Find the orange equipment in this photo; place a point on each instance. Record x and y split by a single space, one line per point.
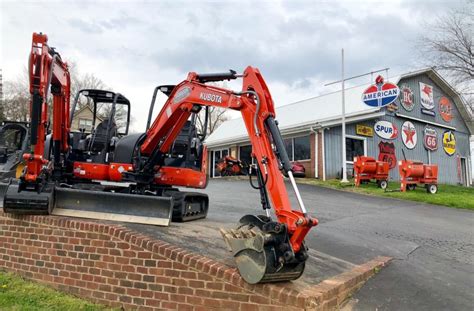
414 172
139 170
229 166
367 168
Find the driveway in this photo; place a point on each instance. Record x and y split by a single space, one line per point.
432 245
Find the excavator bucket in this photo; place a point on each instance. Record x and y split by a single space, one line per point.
261 250
122 207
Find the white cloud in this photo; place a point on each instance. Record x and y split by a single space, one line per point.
134 46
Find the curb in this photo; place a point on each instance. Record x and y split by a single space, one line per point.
38 248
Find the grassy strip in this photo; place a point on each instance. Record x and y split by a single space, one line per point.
18 294
448 195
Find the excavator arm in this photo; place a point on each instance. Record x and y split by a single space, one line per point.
46 71
282 252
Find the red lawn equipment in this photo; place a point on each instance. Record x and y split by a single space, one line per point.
416 172
367 169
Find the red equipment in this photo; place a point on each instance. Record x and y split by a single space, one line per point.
229 166
413 173
367 169
169 153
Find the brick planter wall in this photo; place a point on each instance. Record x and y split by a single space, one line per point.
112 265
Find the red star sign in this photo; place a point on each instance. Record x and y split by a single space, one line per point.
410 133
427 90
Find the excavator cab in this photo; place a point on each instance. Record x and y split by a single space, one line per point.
14 141
98 119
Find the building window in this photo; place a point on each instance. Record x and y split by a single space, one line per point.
301 148
85 124
298 148
245 154
354 147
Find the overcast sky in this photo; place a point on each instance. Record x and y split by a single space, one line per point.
134 46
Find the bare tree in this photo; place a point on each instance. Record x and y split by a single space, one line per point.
448 46
216 115
17 98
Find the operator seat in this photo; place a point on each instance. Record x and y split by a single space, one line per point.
99 139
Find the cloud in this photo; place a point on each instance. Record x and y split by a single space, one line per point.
134 46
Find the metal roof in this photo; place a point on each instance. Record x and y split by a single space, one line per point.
326 110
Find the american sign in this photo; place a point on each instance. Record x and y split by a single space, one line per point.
364 130
381 94
386 130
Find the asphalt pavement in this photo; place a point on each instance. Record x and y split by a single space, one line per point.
432 246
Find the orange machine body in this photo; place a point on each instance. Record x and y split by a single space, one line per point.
415 172
367 168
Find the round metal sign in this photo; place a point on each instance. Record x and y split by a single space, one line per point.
386 130
449 142
406 97
409 136
381 94
445 109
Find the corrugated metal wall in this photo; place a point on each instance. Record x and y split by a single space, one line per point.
448 165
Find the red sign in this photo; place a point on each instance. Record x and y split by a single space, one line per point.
387 153
430 138
381 94
445 109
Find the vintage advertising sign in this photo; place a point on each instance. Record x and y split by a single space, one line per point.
392 107
386 130
409 136
449 142
381 94
430 138
426 99
387 153
364 130
445 109
406 97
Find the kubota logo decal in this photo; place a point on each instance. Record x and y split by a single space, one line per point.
211 97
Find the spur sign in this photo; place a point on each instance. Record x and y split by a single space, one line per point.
380 94
386 130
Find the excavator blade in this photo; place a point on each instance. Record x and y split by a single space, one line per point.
262 253
143 209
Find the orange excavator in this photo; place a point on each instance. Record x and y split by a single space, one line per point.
70 172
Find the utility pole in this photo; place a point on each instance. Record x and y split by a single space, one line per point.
343 146
343 121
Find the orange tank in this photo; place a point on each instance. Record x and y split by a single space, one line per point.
367 168
415 172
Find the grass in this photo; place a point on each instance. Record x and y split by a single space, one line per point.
17 294
448 195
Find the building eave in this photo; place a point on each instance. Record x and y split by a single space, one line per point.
302 128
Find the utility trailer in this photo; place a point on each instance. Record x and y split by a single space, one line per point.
413 173
367 169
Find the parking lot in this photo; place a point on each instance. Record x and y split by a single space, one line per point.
432 246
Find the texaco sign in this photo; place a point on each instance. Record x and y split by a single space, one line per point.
409 136
430 139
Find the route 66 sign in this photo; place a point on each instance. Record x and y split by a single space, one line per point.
387 153
430 139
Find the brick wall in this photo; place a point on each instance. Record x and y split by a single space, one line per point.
112 265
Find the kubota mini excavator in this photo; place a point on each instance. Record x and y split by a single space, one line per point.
168 154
